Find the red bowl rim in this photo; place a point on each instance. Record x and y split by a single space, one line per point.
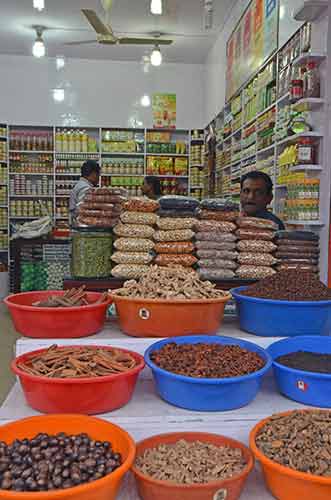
201 436
170 302
76 381
24 307
81 488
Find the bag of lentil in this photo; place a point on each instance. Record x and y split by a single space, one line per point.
134 245
218 263
215 226
175 248
217 254
129 271
190 214
257 259
300 267
148 219
256 246
215 274
253 234
134 231
256 223
137 204
169 223
216 237
178 203
132 257
217 215
215 245
185 260
176 235
297 235
219 204
254 272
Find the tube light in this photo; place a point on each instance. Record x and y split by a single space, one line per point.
39 49
39 4
156 7
156 57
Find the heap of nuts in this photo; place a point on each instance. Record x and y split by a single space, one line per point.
207 360
53 462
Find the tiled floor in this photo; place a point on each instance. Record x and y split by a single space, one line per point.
8 337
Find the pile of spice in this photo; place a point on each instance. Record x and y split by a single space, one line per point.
175 282
216 241
306 361
75 297
291 285
134 245
78 362
300 441
255 248
193 462
174 236
54 462
207 360
297 250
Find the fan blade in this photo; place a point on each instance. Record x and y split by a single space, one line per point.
143 41
83 42
96 22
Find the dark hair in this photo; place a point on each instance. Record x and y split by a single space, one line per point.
89 167
256 174
155 183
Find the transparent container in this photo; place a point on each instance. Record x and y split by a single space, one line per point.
91 253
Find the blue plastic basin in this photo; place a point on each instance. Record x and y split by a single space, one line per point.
282 318
308 388
205 394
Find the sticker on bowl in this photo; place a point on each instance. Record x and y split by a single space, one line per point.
144 313
302 386
220 495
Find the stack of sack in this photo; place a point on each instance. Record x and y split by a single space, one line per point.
216 239
101 207
297 250
256 248
174 236
134 244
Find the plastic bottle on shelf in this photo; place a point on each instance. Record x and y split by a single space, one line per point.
313 84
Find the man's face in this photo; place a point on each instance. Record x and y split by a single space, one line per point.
94 178
254 196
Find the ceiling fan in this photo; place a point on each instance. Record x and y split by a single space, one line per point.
105 34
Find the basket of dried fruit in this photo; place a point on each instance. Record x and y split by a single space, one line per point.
78 379
169 301
294 451
58 314
191 466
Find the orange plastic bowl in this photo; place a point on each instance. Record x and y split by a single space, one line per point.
82 395
59 322
285 483
169 318
229 489
102 489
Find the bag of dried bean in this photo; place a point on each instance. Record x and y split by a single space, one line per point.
215 226
218 263
208 273
297 235
141 204
217 215
215 245
168 223
219 204
134 245
257 259
149 219
217 254
256 223
190 214
254 234
178 247
178 203
300 267
254 272
256 246
134 231
298 243
216 237
185 260
129 271
132 257
176 235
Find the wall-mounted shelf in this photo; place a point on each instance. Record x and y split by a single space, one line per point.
310 10
309 57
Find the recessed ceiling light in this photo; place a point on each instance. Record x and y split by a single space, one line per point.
58 95
60 62
156 7
38 48
145 101
39 4
156 56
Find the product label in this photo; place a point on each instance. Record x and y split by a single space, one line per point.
304 154
302 386
220 494
144 313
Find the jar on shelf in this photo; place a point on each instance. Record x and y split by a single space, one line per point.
313 84
296 89
306 151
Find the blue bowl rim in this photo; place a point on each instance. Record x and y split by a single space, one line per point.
289 303
296 371
208 339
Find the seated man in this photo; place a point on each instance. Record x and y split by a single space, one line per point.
256 195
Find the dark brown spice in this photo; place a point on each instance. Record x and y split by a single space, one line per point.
306 361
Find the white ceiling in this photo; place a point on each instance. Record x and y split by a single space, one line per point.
182 17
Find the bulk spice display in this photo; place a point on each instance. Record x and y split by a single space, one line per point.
307 361
207 360
70 298
191 462
55 462
79 362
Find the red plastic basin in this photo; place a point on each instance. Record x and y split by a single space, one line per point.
84 395
60 322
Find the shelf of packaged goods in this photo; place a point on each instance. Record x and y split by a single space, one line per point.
291 138
170 155
283 98
310 103
4 162
249 123
60 217
66 174
31 195
197 165
122 175
172 176
197 141
76 153
310 10
104 153
22 151
269 108
265 150
309 57
3 183
3 205
304 222
248 156
21 217
62 195
31 173
313 168
281 186
197 187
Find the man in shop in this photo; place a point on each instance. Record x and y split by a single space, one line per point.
90 175
152 187
256 195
